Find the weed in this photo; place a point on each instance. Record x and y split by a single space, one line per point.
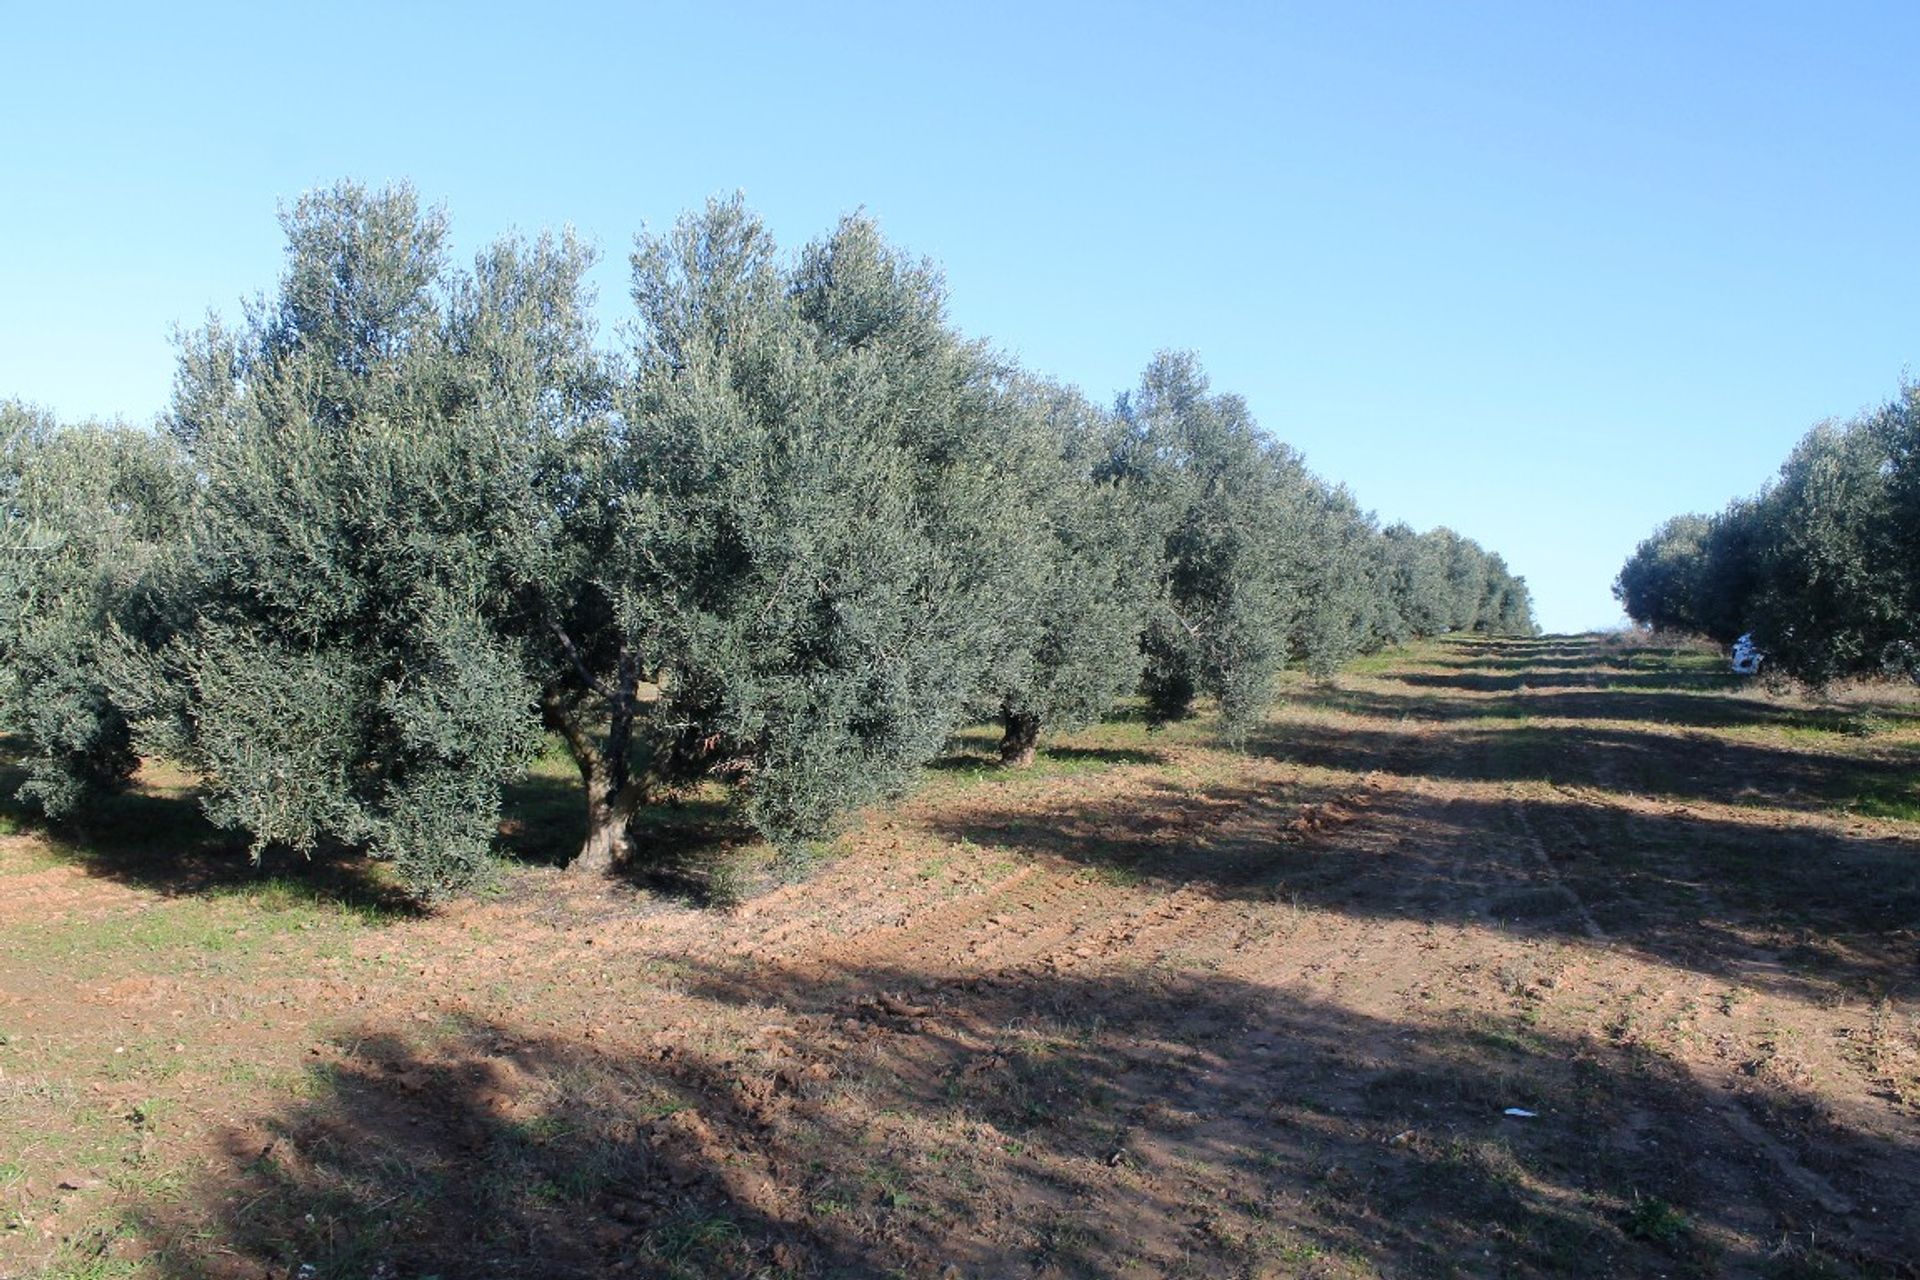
90 1256
793 863
1651 1218
729 882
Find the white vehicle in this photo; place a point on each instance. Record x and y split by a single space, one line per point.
1746 656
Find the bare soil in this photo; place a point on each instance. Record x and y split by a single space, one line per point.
1559 957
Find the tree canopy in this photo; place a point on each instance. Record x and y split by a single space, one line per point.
1820 566
407 518
89 519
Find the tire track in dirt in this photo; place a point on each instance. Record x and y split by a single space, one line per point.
1717 1087
1545 862
1716 1083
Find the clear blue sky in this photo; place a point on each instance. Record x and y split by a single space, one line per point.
1546 273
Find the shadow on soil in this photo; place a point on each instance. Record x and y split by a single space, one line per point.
1705 706
1788 908
873 1123
1679 766
160 840
1752 889
1530 676
971 761
680 839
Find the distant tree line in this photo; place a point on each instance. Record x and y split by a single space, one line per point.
405 521
1822 567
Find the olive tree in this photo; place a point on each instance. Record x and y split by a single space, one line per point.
377 451
90 518
1660 585
1820 566
1234 530
1074 646
812 566
786 541
1828 597
1344 591
786 544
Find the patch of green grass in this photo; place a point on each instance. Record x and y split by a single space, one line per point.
1890 799
543 817
695 1236
221 931
730 881
1651 1218
90 1256
973 753
1374 663
1119 875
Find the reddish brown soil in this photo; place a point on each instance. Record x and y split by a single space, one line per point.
1197 1014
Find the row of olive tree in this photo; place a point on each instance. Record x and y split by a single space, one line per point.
1822 566
406 520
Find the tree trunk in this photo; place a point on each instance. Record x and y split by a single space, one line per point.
609 843
1021 740
612 797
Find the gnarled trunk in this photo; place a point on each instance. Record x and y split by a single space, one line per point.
609 843
612 796
1021 740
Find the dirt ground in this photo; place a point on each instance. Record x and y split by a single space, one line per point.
1557 957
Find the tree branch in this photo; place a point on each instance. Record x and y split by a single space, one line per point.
579 663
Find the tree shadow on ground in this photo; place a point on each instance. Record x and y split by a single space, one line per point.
975 750
1586 661
1680 766
1653 670
974 761
876 1122
157 838
1705 710
1477 650
1531 678
1798 909
678 840
1778 906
